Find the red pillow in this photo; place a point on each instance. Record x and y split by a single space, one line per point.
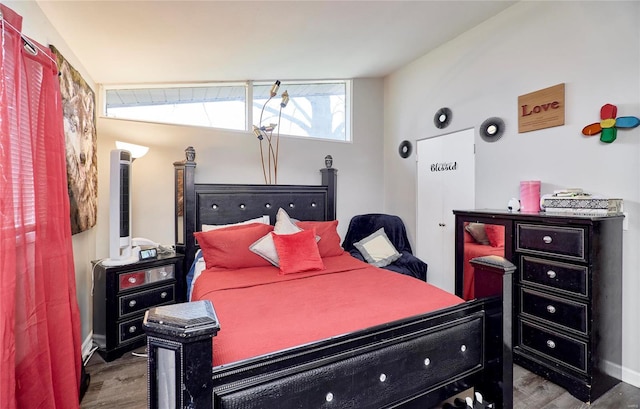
329 244
298 252
495 234
228 247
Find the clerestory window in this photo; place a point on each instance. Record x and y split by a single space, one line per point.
314 109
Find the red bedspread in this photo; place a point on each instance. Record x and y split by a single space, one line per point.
261 311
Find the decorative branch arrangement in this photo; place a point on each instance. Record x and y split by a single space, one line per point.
265 132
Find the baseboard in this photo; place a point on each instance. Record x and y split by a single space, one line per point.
85 378
631 377
87 345
626 375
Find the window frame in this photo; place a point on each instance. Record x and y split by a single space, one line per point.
249 119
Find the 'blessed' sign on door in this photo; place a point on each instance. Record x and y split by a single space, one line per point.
541 109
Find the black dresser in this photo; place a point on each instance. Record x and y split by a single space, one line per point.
567 314
121 296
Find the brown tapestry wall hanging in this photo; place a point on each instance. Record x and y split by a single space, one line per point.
78 103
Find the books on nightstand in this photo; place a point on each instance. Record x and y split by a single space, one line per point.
577 202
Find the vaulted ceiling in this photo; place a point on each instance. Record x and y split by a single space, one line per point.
120 42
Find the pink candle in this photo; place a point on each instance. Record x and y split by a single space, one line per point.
530 196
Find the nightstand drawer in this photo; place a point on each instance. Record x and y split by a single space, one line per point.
160 273
143 300
555 310
141 277
554 275
131 280
130 330
557 348
556 241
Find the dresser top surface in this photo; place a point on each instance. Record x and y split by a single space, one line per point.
506 214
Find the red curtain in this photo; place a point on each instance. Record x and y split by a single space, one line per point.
39 318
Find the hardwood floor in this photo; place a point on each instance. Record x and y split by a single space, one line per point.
531 391
123 384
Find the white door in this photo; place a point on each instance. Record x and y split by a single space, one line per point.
445 181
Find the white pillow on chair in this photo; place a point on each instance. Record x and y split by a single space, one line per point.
377 249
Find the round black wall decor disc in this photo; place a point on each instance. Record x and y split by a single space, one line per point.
405 149
492 129
442 118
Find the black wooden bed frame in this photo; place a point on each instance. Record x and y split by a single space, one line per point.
415 362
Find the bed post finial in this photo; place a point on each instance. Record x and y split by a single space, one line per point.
190 154
328 161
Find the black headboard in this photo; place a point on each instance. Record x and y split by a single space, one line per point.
204 203
223 204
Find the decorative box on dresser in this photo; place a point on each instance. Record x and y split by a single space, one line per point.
567 314
121 296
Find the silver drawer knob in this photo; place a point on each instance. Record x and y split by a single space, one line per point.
132 303
132 329
163 273
329 397
547 239
551 274
163 294
551 344
463 348
551 309
132 280
383 377
427 362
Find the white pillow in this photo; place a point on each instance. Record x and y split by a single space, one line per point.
265 247
262 219
199 267
377 249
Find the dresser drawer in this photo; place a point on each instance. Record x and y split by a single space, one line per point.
561 312
565 277
556 241
138 278
144 300
130 329
557 348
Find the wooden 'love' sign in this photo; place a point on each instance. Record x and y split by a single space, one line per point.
541 109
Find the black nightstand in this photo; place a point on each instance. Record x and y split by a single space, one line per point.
121 296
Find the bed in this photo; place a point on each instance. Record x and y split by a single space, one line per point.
412 346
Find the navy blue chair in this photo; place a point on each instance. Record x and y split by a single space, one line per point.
363 225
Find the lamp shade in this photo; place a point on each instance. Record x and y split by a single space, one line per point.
137 151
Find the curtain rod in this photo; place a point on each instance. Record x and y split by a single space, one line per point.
29 45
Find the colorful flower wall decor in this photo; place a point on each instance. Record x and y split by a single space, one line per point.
609 124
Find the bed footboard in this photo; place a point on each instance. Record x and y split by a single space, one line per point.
416 362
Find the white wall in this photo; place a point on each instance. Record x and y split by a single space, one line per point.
36 26
592 47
